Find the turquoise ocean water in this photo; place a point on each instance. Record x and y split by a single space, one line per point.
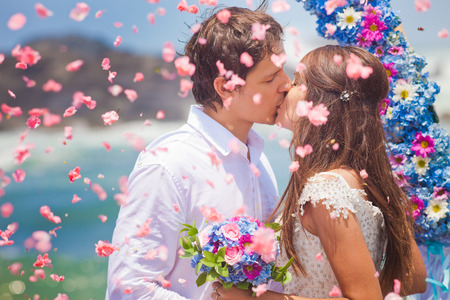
47 183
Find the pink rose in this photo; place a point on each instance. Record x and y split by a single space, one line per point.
231 231
203 236
233 255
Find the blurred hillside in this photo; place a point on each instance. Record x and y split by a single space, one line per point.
155 93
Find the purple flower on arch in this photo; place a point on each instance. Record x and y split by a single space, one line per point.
379 51
423 145
440 193
417 206
390 70
397 160
373 28
400 178
383 105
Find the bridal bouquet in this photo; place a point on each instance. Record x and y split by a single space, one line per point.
239 251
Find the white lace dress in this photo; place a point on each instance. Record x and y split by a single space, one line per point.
334 192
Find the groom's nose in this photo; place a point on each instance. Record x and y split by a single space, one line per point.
286 84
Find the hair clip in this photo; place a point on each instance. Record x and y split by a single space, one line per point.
345 95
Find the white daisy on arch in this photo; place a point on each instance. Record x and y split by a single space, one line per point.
436 210
404 91
421 164
348 18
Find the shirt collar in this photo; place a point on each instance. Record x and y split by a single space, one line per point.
220 137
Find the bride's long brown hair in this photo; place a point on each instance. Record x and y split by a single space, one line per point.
356 126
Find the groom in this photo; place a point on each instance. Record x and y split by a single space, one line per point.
211 167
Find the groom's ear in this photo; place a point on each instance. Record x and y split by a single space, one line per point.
223 93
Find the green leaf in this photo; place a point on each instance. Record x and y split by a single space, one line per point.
201 279
275 226
183 230
193 231
243 285
185 243
287 278
227 285
187 225
220 259
197 267
212 275
209 255
220 253
187 255
208 263
287 265
193 224
223 271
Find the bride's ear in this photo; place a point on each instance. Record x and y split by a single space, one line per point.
219 83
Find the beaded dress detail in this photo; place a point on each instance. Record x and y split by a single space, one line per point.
334 192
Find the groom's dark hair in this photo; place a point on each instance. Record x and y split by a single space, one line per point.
226 42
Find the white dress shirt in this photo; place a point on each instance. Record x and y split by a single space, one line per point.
172 180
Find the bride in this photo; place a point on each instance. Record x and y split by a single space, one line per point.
345 221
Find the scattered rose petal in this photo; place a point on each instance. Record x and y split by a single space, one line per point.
284 143
103 218
259 290
118 24
138 77
246 59
74 174
75 198
2 58
257 98
19 175
193 9
68 132
51 119
115 90
223 16
33 122
52 86
319 257
443 33
422 5
107 146
318 115
160 115
104 248
80 12
106 64
280 6
99 13
278 60
74 66
259 31
303 151
6 210
144 230
335 292
17 21
12 94
151 18
99 191
331 29
211 214
294 166
70 111
118 41
185 87
111 76
11 111
110 117
42 11
161 11
337 59
184 67
57 278
46 213
363 174
131 95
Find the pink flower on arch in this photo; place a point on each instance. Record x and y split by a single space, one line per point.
423 145
440 193
373 28
383 106
397 160
390 70
417 206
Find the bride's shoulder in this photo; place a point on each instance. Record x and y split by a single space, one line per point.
351 177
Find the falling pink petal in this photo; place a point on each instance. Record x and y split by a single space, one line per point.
52 86
118 41
303 108
17 21
303 151
193 9
151 18
26 56
355 68
185 87
104 248
6 210
51 119
335 292
168 52
46 213
182 5
99 13
331 29
11 111
422 5
111 76
196 27
103 218
38 112
42 11
69 111
246 59
292 30
110 117
160 115
2 58
227 103
208 2
443 33
257 98
259 290
135 29
118 24
318 115
300 67
57 277
319 257
202 41
12 94
33 122
131 95
259 31
99 191
331 5
363 174
68 132
233 82
80 12
211 214
144 230
161 11
74 174
223 16
48 149
335 146
21 65
74 66
294 166
138 77
75 198
255 170
280 6
397 286
337 59
284 143
106 64
278 60
28 82
21 153
107 146
115 90
61 297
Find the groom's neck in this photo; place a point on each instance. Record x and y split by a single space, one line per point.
228 119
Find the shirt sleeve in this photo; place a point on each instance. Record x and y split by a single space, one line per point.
142 261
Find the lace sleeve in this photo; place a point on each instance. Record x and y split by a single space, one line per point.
333 192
